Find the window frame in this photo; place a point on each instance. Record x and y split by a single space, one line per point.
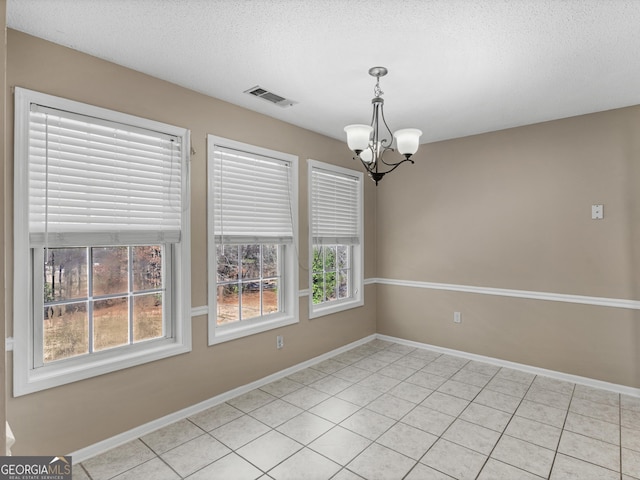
289 275
28 377
357 250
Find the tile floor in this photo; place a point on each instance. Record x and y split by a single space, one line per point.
387 411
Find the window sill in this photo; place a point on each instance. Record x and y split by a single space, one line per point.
55 375
316 311
233 332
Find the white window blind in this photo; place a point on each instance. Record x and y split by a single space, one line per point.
113 183
251 198
334 208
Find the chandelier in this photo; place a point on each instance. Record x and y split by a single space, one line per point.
370 143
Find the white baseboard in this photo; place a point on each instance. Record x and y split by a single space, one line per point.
137 432
589 382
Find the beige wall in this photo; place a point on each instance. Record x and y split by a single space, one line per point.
512 210
70 417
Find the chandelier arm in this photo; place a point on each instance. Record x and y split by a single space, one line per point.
376 171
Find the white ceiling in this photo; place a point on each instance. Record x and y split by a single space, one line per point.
456 67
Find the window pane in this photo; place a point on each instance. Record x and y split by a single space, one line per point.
66 331
330 286
269 261
110 270
318 288
343 256
251 307
65 274
317 259
228 304
250 261
270 296
227 262
147 267
343 285
330 258
110 323
147 317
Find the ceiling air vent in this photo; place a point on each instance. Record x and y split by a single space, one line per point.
260 92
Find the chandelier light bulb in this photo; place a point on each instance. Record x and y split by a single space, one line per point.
358 137
407 140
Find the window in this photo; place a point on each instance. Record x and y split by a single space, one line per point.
101 228
252 216
335 230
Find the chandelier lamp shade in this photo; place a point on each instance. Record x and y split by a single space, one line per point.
371 143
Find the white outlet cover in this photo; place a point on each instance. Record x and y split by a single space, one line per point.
597 212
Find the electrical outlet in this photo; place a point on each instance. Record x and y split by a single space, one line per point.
279 342
457 318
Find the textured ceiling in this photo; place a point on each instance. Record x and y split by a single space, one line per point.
456 67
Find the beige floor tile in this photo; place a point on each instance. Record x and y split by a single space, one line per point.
329 366
495 470
534 432
481 367
630 419
276 413
444 403
305 464
597 395
630 403
230 467
334 409
154 468
397 371
305 428
630 439
507 386
340 445
281 387
517 376
215 417
407 440
118 460
473 378
345 474
440 369
331 385
524 455
548 397
410 392
352 374
454 460
390 406
498 400
470 435
590 450
631 463
359 395
600 411
306 397
379 382
381 463
459 389
270 449
368 423
542 413
569 468
486 416
422 472
171 436
240 431
307 376
194 455
426 379
548 383
251 400
594 428
431 421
